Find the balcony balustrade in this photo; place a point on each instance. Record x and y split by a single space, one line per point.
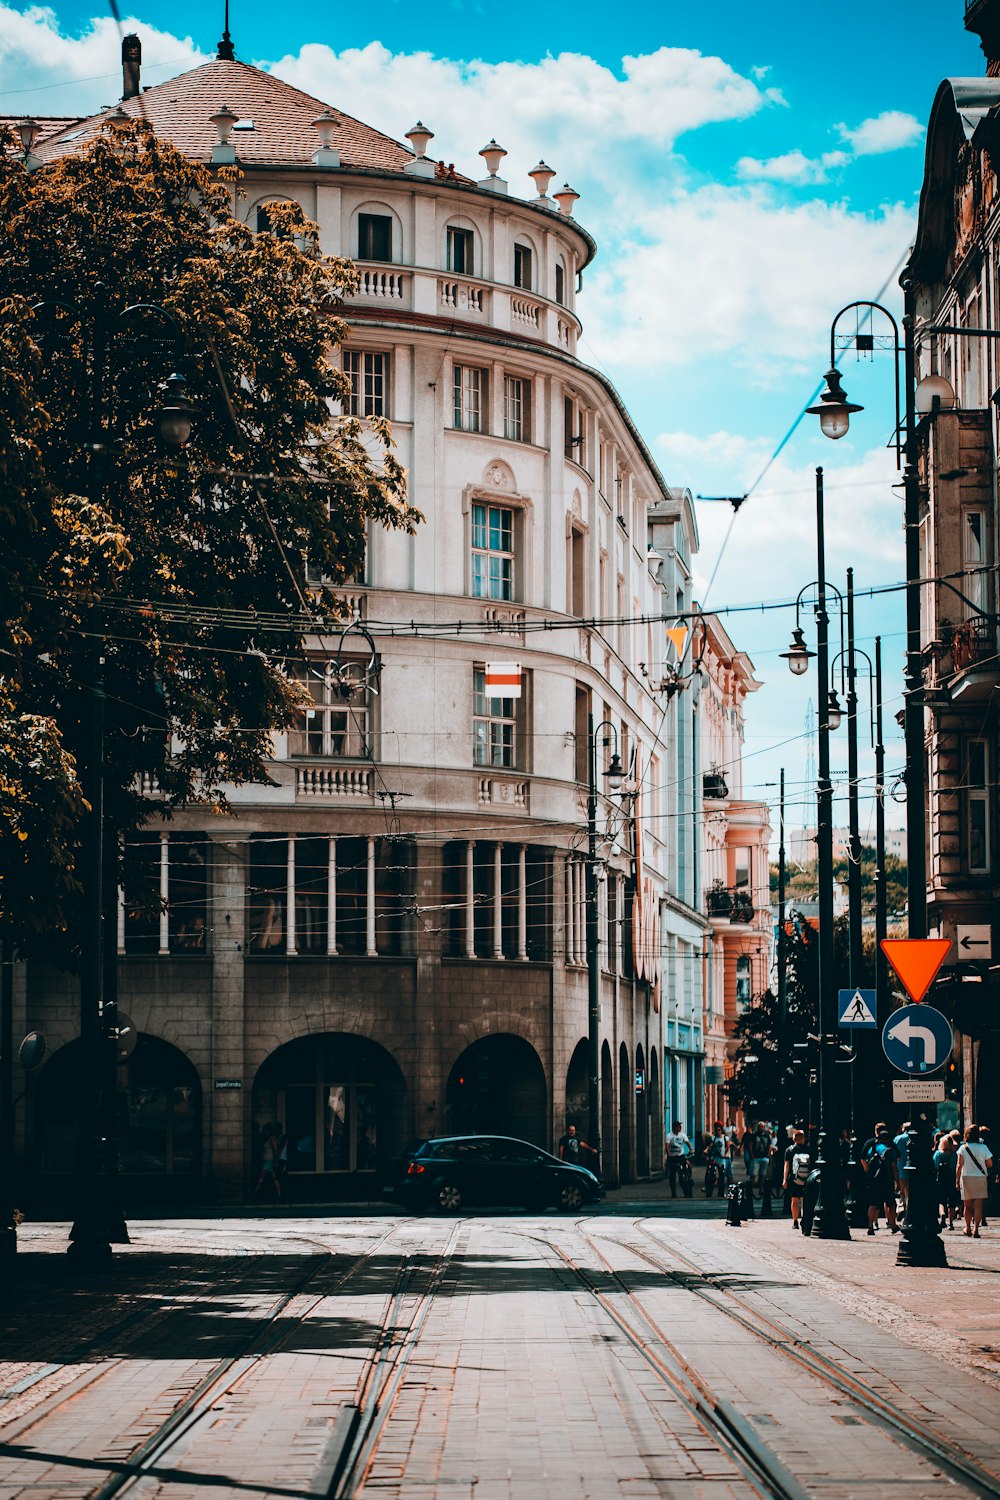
461 298
326 782
379 283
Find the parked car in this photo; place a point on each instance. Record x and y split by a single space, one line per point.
452 1173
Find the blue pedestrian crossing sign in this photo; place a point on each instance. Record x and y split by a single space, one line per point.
857 1008
917 1039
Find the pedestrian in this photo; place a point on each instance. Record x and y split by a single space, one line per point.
880 1164
902 1145
946 1171
746 1151
678 1149
760 1156
798 1165
973 1179
720 1163
570 1146
267 1177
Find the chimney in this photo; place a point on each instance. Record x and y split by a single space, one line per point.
982 18
131 60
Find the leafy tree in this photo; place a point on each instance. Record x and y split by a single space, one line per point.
801 884
774 1056
191 571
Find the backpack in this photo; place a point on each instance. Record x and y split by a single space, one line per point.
801 1167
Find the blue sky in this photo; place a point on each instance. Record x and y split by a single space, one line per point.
746 172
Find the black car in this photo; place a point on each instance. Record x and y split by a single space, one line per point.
456 1172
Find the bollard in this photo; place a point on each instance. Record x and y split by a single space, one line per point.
733 1211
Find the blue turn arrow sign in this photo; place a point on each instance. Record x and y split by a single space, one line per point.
917 1039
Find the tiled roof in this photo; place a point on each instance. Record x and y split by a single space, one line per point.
49 125
282 116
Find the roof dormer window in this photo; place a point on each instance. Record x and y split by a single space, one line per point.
244 125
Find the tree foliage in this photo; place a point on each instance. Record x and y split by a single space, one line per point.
774 1056
801 884
191 571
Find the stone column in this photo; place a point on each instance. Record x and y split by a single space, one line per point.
331 896
370 948
522 902
222 1054
570 949
470 911
164 944
498 901
290 923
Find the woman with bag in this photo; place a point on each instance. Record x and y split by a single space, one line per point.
973 1178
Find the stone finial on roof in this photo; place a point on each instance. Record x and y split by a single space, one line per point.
566 197
493 155
327 155
541 176
420 137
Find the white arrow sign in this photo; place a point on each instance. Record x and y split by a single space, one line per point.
905 1032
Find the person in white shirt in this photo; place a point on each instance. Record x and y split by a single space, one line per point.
973 1178
678 1149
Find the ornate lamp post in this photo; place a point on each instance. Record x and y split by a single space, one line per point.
921 1243
830 1219
615 775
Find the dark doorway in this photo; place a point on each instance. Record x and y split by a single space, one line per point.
657 1126
159 1118
578 1090
497 1087
609 1158
330 1111
625 1115
641 1115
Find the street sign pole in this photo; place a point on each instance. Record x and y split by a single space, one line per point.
916 961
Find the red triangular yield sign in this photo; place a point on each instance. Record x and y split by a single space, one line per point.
916 961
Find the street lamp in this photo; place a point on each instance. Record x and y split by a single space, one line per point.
921 1243
614 775
829 1219
834 409
98 1220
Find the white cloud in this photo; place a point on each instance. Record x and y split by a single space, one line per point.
889 131
45 71
736 270
580 115
792 167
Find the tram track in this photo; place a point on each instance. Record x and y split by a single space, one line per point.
961 1466
382 1378
272 1329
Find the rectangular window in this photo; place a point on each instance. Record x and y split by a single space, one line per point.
494 726
374 237
469 398
517 408
460 251
974 556
560 285
577 573
369 377
574 432
522 267
492 552
336 726
166 879
977 802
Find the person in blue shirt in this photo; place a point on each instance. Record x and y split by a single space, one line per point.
880 1164
902 1145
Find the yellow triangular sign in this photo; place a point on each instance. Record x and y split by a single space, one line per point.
678 634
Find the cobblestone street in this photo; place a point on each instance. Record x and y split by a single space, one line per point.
641 1351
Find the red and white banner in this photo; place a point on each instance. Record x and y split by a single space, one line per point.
503 679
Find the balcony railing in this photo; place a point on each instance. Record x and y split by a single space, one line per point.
733 903
714 786
463 299
379 283
973 642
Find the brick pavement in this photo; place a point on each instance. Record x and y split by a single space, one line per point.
515 1382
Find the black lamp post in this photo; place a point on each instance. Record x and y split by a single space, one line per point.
98 1220
829 1219
615 775
921 1243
